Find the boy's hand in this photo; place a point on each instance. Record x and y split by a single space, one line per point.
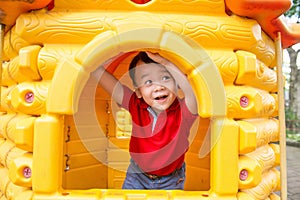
159 59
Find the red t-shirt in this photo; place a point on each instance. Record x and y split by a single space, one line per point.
162 150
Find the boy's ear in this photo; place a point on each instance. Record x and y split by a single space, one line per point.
138 93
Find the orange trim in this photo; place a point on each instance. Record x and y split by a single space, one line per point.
116 61
12 9
268 15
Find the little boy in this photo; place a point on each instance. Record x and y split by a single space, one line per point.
161 121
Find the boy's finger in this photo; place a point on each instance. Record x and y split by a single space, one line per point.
151 55
157 58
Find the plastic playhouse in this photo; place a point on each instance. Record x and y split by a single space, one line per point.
63 138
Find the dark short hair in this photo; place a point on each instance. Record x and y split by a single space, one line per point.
141 56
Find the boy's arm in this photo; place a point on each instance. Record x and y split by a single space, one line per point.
110 84
180 79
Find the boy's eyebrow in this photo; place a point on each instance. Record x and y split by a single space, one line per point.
144 75
162 71
166 71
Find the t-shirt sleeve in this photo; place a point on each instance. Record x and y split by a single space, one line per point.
128 94
187 115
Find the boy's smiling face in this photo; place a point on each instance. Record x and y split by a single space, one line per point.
155 85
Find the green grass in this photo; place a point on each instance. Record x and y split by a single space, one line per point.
292 135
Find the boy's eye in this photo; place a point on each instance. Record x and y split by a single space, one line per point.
148 82
165 78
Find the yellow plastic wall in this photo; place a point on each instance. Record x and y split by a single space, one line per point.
63 138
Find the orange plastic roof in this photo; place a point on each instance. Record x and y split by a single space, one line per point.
10 10
268 13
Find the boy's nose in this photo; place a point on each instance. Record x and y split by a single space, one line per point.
159 87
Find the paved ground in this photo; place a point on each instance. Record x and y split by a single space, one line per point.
293 172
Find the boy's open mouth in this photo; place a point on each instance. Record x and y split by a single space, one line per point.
161 97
